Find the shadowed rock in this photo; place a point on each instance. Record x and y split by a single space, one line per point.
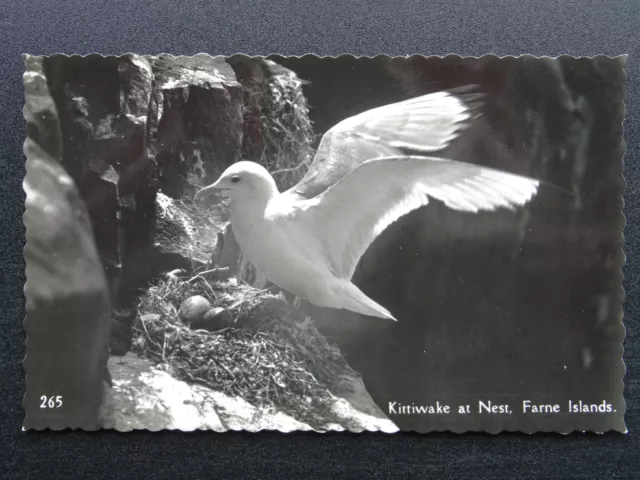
103 105
195 120
68 313
132 126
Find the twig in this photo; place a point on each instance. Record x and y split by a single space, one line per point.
164 346
228 371
213 270
215 297
147 332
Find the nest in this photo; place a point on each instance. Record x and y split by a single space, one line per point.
271 358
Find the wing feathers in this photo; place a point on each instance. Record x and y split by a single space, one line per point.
361 181
348 216
424 124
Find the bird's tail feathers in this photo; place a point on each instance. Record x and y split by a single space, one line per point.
357 301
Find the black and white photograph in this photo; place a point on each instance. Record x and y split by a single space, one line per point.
417 243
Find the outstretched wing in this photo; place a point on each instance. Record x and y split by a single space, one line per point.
348 216
422 124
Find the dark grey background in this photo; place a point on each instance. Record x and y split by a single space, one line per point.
264 27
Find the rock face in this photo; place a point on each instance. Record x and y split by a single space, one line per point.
140 135
196 120
68 321
146 397
502 302
103 103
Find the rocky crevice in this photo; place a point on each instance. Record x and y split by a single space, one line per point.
141 134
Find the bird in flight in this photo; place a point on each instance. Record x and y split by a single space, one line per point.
308 240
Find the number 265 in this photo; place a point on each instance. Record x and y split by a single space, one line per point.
50 402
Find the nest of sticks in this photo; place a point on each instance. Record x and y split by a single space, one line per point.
270 356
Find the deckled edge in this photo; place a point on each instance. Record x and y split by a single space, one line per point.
621 260
335 57
622 221
25 57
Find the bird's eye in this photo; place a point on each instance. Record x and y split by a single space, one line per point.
235 179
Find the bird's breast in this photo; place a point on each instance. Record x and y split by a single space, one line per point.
283 252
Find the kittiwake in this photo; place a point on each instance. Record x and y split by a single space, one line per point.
368 171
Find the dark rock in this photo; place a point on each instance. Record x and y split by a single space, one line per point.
122 329
103 104
195 121
68 312
132 126
193 310
215 319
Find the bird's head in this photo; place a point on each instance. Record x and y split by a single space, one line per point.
243 181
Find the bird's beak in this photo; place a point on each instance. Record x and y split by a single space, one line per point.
214 188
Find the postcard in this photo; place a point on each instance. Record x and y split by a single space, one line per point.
344 243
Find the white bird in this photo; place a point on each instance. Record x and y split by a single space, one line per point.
308 240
